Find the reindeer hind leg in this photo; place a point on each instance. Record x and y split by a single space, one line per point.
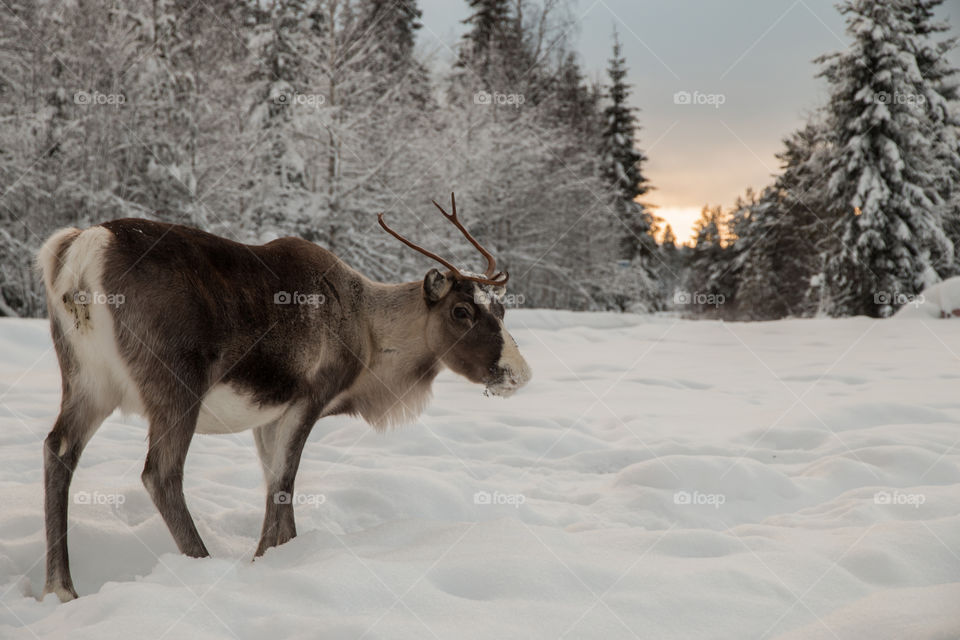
79 418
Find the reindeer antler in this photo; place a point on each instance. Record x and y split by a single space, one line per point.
491 276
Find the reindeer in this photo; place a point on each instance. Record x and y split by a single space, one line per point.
200 334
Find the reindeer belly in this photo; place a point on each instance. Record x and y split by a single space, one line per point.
224 409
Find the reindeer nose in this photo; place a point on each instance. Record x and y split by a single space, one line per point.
517 374
510 377
511 370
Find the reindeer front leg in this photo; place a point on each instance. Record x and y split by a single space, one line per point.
279 445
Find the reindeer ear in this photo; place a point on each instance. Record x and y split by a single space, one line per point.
436 285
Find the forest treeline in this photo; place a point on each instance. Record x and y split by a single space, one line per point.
258 119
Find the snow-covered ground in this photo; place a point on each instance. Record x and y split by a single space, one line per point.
657 479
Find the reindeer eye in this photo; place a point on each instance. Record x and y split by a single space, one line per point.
462 312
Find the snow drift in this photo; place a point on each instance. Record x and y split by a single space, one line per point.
658 478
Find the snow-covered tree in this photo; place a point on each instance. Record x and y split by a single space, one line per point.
511 47
574 105
669 241
392 26
307 117
282 37
622 169
488 21
623 162
709 283
776 248
941 92
883 175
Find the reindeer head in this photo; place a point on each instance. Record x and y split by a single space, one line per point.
465 318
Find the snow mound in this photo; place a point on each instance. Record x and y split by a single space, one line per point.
941 300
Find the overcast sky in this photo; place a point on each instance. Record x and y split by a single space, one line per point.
757 54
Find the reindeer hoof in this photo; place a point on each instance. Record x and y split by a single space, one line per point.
66 594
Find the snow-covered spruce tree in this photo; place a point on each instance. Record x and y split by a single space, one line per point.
761 292
709 283
883 175
776 250
941 91
634 285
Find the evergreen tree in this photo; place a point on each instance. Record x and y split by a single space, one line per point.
669 239
883 175
622 161
941 90
393 24
488 26
672 260
500 52
622 170
574 105
487 20
392 27
776 251
709 284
